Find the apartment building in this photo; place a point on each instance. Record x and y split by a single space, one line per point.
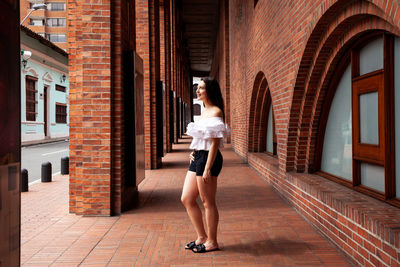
50 23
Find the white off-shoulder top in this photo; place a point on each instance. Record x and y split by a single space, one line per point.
204 129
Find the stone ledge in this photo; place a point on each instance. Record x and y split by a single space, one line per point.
264 160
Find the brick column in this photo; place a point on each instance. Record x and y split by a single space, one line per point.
154 22
167 39
89 42
148 47
98 33
174 66
227 97
143 49
124 194
162 40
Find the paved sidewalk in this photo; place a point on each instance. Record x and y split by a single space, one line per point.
256 226
43 141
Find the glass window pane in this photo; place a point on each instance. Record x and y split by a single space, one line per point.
397 111
270 147
373 176
369 118
371 57
337 150
57 6
62 38
36 22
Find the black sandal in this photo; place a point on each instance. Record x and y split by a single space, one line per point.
202 249
190 245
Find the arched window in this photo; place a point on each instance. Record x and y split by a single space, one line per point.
269 123
360 121
196 110
262 137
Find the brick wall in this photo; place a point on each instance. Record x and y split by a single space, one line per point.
297 45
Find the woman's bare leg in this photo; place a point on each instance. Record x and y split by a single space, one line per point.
190 193
207 194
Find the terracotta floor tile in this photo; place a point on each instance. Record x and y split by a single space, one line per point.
121 264
257 228
42 264
65 264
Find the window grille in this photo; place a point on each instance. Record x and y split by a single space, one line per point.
30 99
61 113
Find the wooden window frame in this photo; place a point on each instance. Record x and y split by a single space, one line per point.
28 91
385 151
61 88
365 84
58 114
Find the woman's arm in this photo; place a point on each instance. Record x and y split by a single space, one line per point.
212 153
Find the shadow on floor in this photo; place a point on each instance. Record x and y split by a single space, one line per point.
183 150
228 197
176 164
280 246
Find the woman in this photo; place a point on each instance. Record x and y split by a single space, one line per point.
205 165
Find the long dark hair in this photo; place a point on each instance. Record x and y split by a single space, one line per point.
214 93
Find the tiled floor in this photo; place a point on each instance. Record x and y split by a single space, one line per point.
256 226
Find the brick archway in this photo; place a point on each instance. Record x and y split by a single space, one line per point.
260 100
325 48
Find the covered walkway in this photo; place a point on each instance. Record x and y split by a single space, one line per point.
256 226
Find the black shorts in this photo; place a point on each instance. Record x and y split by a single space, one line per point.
200 160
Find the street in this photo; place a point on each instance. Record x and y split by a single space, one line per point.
32 158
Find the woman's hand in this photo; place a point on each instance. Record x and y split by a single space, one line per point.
191 157
206 175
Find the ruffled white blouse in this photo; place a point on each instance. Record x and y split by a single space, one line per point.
204 129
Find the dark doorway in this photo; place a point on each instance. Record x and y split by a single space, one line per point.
133 119
160 117
178 118
171 117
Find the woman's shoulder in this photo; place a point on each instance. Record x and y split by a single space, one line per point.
215 112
